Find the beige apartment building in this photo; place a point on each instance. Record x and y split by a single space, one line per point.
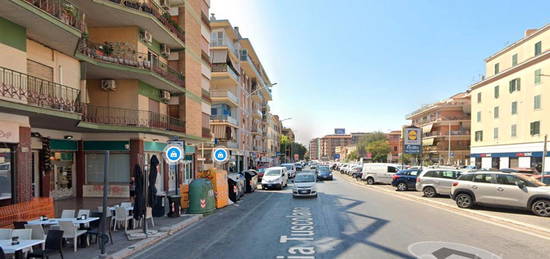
445 130
240 91
79 78
510 105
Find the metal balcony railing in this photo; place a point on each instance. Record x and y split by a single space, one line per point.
224 94
161 15
216 67
38 92
63 10
131 118
446 133
110 52
224 118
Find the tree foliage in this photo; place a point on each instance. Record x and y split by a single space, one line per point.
353 156
367 139
379 150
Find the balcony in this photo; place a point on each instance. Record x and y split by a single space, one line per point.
225 74
224 96
223 119
221 44
438 105
229 144
146 15
115 60
453 133
249 66
256 114
29 90
131 118
54 23
421 122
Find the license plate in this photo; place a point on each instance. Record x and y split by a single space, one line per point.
303 192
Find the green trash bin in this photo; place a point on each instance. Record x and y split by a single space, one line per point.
201 197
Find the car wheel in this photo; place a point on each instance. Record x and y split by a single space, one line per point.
541 208
401 187
429 192
464 201
370 181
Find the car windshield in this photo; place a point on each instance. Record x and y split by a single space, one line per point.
304 178
530 179
272 172
288 166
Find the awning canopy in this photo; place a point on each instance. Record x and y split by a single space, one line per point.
428 141
219 56
427 128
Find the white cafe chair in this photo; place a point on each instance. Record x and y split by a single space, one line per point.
122 217
37 233
23 234
5 233
67 214
84 212
71 232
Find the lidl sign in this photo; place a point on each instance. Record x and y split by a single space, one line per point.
412 140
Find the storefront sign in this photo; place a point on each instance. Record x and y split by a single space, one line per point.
116 191
9 132
524 154
412 140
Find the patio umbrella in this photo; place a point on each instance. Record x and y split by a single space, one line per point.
139 199
152 180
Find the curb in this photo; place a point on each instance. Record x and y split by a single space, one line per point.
526 227
143 244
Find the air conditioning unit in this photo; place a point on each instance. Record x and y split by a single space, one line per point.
147 37
164 50
165 96
108 85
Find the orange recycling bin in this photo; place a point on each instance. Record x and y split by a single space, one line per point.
218 177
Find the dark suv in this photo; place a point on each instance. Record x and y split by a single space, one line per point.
405 179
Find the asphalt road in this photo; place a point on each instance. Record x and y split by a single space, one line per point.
345 221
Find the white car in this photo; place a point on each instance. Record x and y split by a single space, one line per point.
305 184
275 177
379 172
291 168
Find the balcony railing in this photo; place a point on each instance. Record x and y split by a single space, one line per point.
438 105
38 92
455 118
131 118
224 94
224 118
111 52
224 43
161 15
446 133
225 68
63 10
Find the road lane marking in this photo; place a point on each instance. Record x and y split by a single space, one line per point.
302 231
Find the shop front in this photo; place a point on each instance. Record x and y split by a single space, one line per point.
119 169
62 160
13 151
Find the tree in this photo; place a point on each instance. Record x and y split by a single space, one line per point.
367 139
379 150
353 156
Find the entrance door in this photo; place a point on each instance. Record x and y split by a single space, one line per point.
514 162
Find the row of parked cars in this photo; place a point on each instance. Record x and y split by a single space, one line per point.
468 187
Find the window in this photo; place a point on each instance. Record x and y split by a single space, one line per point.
508 179
483 178
514 108
448 174
495 133
414 172
513 130
497 67
478 116
515 85
538 48
538 75
514 59
466 177
495 112
535 128
478 97
536 102
497 91
430 174
6 173
479 135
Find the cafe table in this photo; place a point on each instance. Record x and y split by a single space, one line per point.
16 249
55 221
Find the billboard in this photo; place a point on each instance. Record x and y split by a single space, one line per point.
412 140
340 131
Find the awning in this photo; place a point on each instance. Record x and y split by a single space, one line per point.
219 56
427 128
428 141
219 131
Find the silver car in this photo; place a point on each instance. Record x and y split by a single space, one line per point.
502 189
436 181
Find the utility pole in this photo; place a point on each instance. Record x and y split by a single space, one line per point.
449 151
543 158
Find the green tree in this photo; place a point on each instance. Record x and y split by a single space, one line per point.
367 139
353 156
379 150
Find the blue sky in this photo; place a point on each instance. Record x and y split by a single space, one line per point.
364 64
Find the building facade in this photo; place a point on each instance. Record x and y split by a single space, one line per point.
509 120
328 144
98 76
445 130
394 140
314 150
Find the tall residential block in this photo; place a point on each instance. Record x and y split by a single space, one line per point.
510 105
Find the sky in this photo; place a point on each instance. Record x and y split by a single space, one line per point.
363 65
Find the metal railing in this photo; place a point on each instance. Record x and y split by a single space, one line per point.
421 121
161 15
223 94
38 92
131 118
438 104
107 53
224 43
224 118
225 68
446 133
63 10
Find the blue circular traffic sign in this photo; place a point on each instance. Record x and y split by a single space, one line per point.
220 155
173 153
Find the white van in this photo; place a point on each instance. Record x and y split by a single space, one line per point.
379 172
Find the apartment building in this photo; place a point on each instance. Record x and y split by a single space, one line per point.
357 136
240 91
445 130
289 133
79 78
394 140
328 144
314 150
509 120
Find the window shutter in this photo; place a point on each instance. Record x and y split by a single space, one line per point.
511 86
518 84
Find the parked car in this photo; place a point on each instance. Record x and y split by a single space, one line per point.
357 172
502 189
261 172
379 172
436 181
324 173
291 169
405 179
545 179
236 182
527 171
305 185
251 177
275 177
